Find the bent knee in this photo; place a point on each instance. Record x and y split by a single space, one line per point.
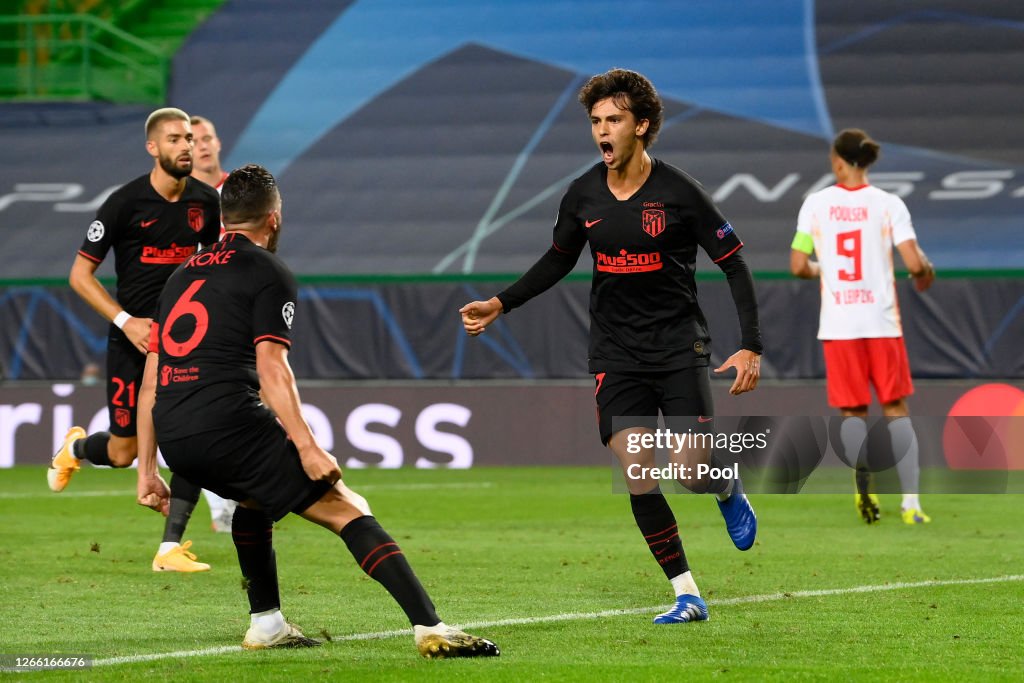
122 451
354 499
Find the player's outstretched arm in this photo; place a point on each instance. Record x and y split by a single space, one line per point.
477 315
921 269
151 489
277 386
85 283
555 264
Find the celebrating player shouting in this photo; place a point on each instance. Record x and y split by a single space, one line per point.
649 343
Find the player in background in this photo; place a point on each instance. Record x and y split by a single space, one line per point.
220 396
207 168
649 345
852 227
153 224
207 157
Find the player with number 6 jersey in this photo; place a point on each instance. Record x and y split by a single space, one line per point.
220 396
230 291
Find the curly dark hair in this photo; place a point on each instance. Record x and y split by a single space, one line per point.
631 91
249 193
855 147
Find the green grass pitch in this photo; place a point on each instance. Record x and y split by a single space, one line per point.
513 553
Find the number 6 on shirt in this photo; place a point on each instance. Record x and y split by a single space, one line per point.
185 305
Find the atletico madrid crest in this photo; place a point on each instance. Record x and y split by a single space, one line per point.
196 219
654 221
123 417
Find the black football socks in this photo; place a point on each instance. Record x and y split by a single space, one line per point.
380 557
658 525
253 531
184 496
93 448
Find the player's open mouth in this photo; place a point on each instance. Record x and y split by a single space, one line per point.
606 150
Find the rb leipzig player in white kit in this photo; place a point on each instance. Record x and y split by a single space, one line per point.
852 227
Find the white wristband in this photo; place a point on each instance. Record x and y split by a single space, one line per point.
121 318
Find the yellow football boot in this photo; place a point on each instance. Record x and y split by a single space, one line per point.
915 516
179 559
64 463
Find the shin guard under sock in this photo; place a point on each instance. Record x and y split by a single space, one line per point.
380 557
252 531
184 496
93 448
658 525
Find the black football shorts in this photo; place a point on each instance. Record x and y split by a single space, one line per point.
256 460
124 378
627 400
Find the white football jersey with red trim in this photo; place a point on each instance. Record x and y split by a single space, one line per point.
854 231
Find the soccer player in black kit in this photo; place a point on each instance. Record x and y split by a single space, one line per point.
153 224
218 350
649 342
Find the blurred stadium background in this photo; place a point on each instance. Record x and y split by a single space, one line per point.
422 149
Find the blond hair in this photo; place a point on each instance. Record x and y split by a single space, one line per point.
161 115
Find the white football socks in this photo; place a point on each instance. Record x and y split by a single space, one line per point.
853 432
727 493
905 450
215 502
438 629
685 585
271 621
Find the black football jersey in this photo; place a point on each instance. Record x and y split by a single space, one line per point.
214 310
150 237
644 314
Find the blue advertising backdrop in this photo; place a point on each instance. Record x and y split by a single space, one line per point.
435 139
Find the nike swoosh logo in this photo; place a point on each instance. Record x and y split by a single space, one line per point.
146 224
701 418
590 224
